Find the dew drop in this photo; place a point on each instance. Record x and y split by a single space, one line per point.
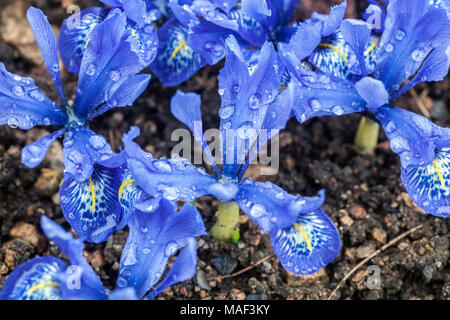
258 210
114 75
171 249
417 55
315 104
226 111
400 35
12 123
17 91
91 70
254 101
389 47
337 110
163 166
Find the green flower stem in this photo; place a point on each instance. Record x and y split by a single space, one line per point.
226 228
366 139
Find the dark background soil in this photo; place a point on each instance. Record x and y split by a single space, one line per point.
364 194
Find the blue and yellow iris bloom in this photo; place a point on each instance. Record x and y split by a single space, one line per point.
412 48
108 77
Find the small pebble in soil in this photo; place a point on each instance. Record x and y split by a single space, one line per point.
224 264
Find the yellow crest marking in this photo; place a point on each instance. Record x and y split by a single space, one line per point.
87 42
441 178
91 185
124 185
238 4
308 243
322 44
42 285
178 48
282 88
369 49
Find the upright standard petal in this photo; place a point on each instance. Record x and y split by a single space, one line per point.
47 43
357 33
186 108
174 179
76 33
154 237
34 153
34 280
92 207
248 84
333 21
176 60
111 58
309 244
413 28
23 105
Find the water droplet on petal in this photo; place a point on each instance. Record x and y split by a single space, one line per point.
221 91
114 75
171 249
91 69
18 91
12 123
258 210
390 127
315 104
400 34
255 101
97 142
226 111
417 55
163 166
338 110
389 47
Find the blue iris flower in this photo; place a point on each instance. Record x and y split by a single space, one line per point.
108 78
195 34
50 278
253 110
413 48
76 30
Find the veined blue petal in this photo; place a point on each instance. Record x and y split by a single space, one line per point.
333 21
75 34
208 40
125 95
305 40
154 237
176 60
321 95
23 105
309 244
249 29
183 269
79 281
113 3
34 153
412 136
373 92
174 179
248 85
332 56
412 29
82 149
271 207
92 207
278 114
47 43
129 194
110 59
356 34
282 11
256 9
186 108
434 68
123 294
429 185
34 280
